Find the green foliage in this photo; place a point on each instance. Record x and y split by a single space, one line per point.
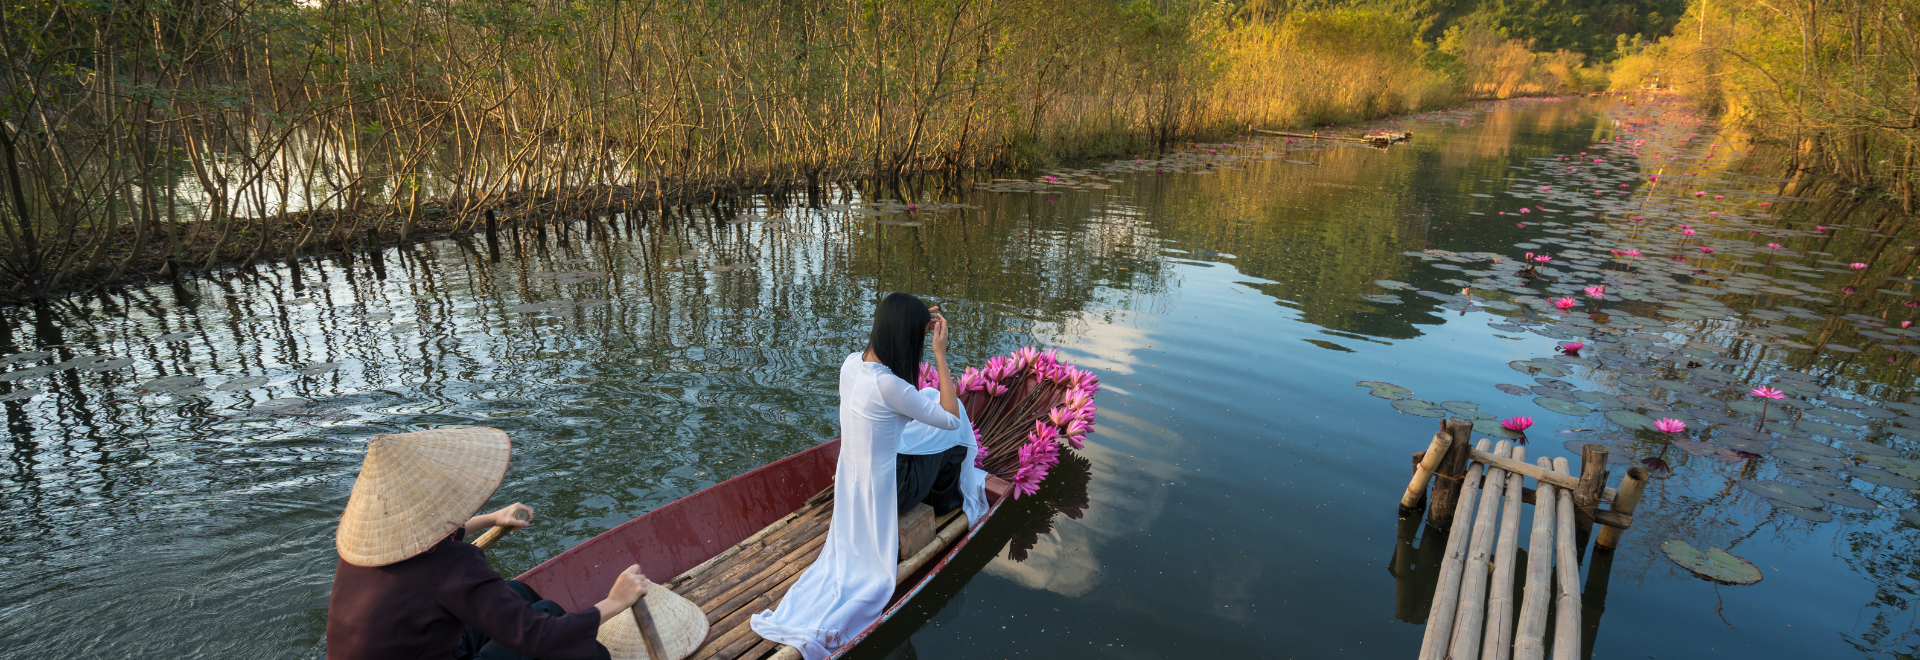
1834 83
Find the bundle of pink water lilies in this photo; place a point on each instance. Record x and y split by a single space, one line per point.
1023 405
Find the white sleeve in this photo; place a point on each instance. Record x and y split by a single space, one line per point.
903 399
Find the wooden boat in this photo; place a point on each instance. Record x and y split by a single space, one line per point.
736 547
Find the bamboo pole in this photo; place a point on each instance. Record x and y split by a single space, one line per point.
1586 495
1446 598
1545 476
1631 488
649 631
1498 644
1450 472
1471 613
494 533
1566 607
1529 642
1423 473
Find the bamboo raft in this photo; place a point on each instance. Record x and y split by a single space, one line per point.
1374 138
1478 610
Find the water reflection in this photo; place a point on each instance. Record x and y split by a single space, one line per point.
177 474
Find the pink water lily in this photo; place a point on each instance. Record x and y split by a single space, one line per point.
1766 394
1565 303
1573 348
1857 266
1543 258
1705 250
1668 425
1518 424
1597 291
1773 246
1819 229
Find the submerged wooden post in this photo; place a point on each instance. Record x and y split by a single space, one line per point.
1423 472
1566 559
493 239
1631 487
1406 570
1471 613
1530 636
1450 472
1586 495
1446 597
1498 642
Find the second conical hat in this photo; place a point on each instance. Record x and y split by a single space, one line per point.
682 627
415 488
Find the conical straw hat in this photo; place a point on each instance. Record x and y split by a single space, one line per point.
682 626
415 488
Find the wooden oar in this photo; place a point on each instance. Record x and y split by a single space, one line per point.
650 633
492 535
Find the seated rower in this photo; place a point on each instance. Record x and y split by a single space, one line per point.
406 585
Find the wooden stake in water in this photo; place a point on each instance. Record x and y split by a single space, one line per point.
1417 488
1631 488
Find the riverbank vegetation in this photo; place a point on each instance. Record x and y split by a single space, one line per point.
1837 85
155 138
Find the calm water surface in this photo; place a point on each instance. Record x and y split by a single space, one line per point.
1238 499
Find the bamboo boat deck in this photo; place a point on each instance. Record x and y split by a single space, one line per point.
1478 610
753 575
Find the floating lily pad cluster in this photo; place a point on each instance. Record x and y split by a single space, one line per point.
1675 295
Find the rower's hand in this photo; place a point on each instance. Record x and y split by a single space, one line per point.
507 517
628 587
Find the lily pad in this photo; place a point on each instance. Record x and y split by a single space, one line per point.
1815 477
1562 407
1467 409
1714 564
1841 497
279 405
1782 492
1382 385
170 383
1801 512
1859 446
1630 419
319 368
23 374
1695 447
1417 408
28 356
176 336
1811 447
114 364
1493 428
1513 389
21 394
1895 464
242 383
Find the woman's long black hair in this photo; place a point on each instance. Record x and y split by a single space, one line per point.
899 333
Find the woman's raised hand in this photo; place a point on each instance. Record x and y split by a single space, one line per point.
937 331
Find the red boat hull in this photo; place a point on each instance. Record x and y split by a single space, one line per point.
676 537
